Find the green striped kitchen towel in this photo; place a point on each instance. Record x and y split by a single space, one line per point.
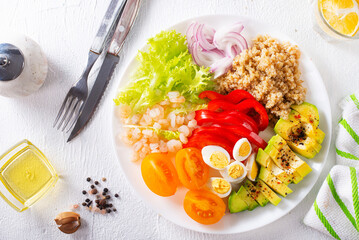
336 210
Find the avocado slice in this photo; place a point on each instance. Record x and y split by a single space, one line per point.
247 198
301 123
267 192
236 204
276 184
309 111
255 193
301 136
284 157
310 129
265 161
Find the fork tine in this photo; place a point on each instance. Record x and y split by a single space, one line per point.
70 117
61 110
66 112
76 117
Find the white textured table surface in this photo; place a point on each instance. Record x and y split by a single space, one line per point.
65 30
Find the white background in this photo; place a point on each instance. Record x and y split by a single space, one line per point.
65 30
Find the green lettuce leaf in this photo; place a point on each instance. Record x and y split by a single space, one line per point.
166 66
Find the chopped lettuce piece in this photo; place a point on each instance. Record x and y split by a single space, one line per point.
166 66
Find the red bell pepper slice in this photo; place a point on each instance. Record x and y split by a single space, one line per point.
211 95
249 105
233 138
227 117
245 133
246 106
235 96
201 140
243 117
219 105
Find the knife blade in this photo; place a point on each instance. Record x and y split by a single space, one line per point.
108 66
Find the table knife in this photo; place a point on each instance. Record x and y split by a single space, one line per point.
109 64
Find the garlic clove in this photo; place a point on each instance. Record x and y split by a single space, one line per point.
69 222
66 220
70 227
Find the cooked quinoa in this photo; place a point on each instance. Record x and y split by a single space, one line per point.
270 72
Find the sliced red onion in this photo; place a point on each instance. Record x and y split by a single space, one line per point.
215 49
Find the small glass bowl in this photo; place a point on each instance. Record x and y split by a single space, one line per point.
26 175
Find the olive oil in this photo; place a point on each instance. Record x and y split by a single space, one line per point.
26 175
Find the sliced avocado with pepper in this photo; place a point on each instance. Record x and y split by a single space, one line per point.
297 125
284 157
309 111
267 192
301 136
255 193
266 161
277 185
236 203
310 129
246 196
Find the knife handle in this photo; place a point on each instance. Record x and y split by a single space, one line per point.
109 22
124 26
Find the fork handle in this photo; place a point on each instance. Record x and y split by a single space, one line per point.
92 57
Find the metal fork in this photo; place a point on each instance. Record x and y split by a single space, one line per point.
76 97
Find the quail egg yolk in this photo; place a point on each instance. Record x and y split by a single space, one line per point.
220 186
244 149
235 171
218 159
254 171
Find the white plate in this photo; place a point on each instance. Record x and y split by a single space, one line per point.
171 207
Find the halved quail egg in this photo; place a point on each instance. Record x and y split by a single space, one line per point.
216 157
242 149
219 186
234 172
252 167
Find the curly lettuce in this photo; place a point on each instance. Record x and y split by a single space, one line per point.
165 66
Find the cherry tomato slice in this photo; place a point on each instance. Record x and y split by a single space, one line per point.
192 171
159 174
203 206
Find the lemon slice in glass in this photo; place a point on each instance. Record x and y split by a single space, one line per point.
341 15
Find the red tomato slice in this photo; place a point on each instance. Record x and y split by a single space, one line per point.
159 174
203 206
192 171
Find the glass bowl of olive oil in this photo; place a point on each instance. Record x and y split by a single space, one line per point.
26 175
